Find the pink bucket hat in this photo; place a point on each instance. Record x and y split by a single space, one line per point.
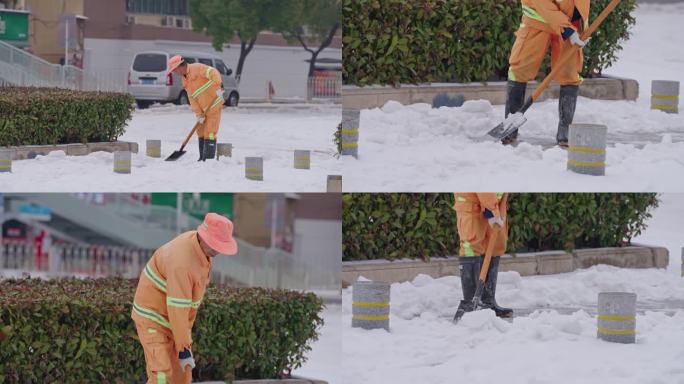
217 232
174 62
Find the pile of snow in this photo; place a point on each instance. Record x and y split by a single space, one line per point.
554 341
429 149
416 148
273 135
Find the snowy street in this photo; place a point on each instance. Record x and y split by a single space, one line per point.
417 148
323 361
272 133
552 340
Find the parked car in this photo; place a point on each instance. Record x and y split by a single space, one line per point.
149 83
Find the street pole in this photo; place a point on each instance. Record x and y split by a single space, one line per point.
274 217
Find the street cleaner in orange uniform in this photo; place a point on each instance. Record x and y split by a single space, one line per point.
559 24
477 216
205 92
169 293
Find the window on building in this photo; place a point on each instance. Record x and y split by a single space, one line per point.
159 7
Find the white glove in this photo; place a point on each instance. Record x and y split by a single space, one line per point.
200 119
219 92
575 39
496 220
186 360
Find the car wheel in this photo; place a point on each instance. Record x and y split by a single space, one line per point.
233 99
183 98
142 104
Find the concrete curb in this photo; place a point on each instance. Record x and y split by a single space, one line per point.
527 264
23 152
375 96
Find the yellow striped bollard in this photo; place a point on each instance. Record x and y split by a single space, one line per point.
370 305
351 120
617 317
153 148
302 159
587 149
5 160
122 162
254 168
665 96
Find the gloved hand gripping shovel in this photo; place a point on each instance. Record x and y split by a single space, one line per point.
477 298
177 154
516 120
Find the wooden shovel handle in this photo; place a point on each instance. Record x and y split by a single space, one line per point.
573 51
496 229
185 142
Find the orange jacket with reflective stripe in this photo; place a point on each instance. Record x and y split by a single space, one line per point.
172 286
201 83
553 15
474 230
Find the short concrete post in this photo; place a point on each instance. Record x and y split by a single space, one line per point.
334 184
122 162
665 96
254 168
224 149
617 317
351 120
302 159
153 148
370 305
587 149
5 160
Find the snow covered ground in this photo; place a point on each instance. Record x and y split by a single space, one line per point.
553 342
272 133
416 148
323 362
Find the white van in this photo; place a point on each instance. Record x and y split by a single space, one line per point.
149 83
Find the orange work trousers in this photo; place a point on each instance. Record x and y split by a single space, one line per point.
161 358
528 53
209 129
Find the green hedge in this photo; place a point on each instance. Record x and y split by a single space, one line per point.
45 116
392 226
80 331
398 41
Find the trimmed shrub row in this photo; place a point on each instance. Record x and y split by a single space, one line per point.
80 331
49 116
397 41
423 225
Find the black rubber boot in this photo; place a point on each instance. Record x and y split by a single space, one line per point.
515 98
489 292
201 149
209 148
469 267
566 112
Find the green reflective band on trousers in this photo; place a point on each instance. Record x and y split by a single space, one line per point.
152 315
460 198
202 89
467 249
178 302
499 195
532 14
156 280
161 378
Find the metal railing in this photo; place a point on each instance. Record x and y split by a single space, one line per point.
21 68
325 88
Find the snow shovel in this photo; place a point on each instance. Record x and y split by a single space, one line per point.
177 154
477 298
516 120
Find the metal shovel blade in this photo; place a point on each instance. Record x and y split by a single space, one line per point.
175 155
508 126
